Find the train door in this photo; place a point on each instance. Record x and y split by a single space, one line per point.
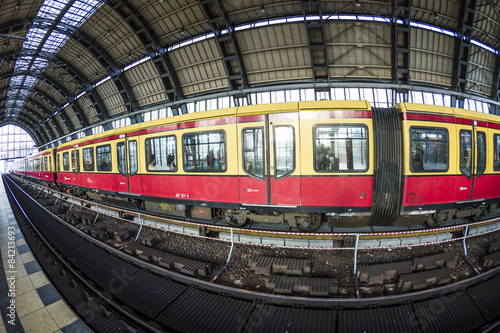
126 152
479 179
269 158
75 164
471 182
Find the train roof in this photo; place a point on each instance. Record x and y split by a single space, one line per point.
227 112
445 110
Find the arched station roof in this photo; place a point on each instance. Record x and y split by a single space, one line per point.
68 65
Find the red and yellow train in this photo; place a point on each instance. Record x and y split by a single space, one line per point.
342 162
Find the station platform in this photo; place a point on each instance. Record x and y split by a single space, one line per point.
37 306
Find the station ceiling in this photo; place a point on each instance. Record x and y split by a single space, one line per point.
66 66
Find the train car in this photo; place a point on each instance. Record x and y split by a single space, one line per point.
18 167
289 162
451 162
343 162
40 167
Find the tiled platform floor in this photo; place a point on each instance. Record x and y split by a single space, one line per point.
38 306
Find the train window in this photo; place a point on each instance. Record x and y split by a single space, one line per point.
466 153
253 151
75 160
284 150
88 159
50 163
496 152
58 162
132 157
66 161
121 158
341 148
481 154
204 152
429 149
45 163
103 158
161 153
37 164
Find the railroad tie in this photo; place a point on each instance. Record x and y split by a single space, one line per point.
274 265
494 246
118 234
383 273
491 260
288 285
143 252
96 232
439 260
424 280
184 265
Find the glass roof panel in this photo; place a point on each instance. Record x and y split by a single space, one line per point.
80 12
51 9
54 42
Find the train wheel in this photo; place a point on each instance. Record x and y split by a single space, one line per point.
309 224
236 223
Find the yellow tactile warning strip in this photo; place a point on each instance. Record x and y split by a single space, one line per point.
28 301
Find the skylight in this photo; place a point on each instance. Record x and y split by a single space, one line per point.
50 11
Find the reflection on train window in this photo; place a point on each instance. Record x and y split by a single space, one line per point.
466 153
132 157
66 161
253 151
37 164
103 158
496 152
204 152
429 149
284 150
75 160
161 153
88 159
45 163
120 157
481 154
341 148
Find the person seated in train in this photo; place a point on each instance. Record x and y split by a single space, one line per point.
220 164
171 162
210 160
417 160
190 165
323 163
248 166
334 162
152 163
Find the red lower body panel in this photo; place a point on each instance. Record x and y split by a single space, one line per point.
198 188
336 191
419 191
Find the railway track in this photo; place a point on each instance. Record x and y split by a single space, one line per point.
283 236
290 284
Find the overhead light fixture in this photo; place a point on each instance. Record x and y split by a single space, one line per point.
160 1
18 5
436 16
129 55
182 31
262 9
109 32
358 4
